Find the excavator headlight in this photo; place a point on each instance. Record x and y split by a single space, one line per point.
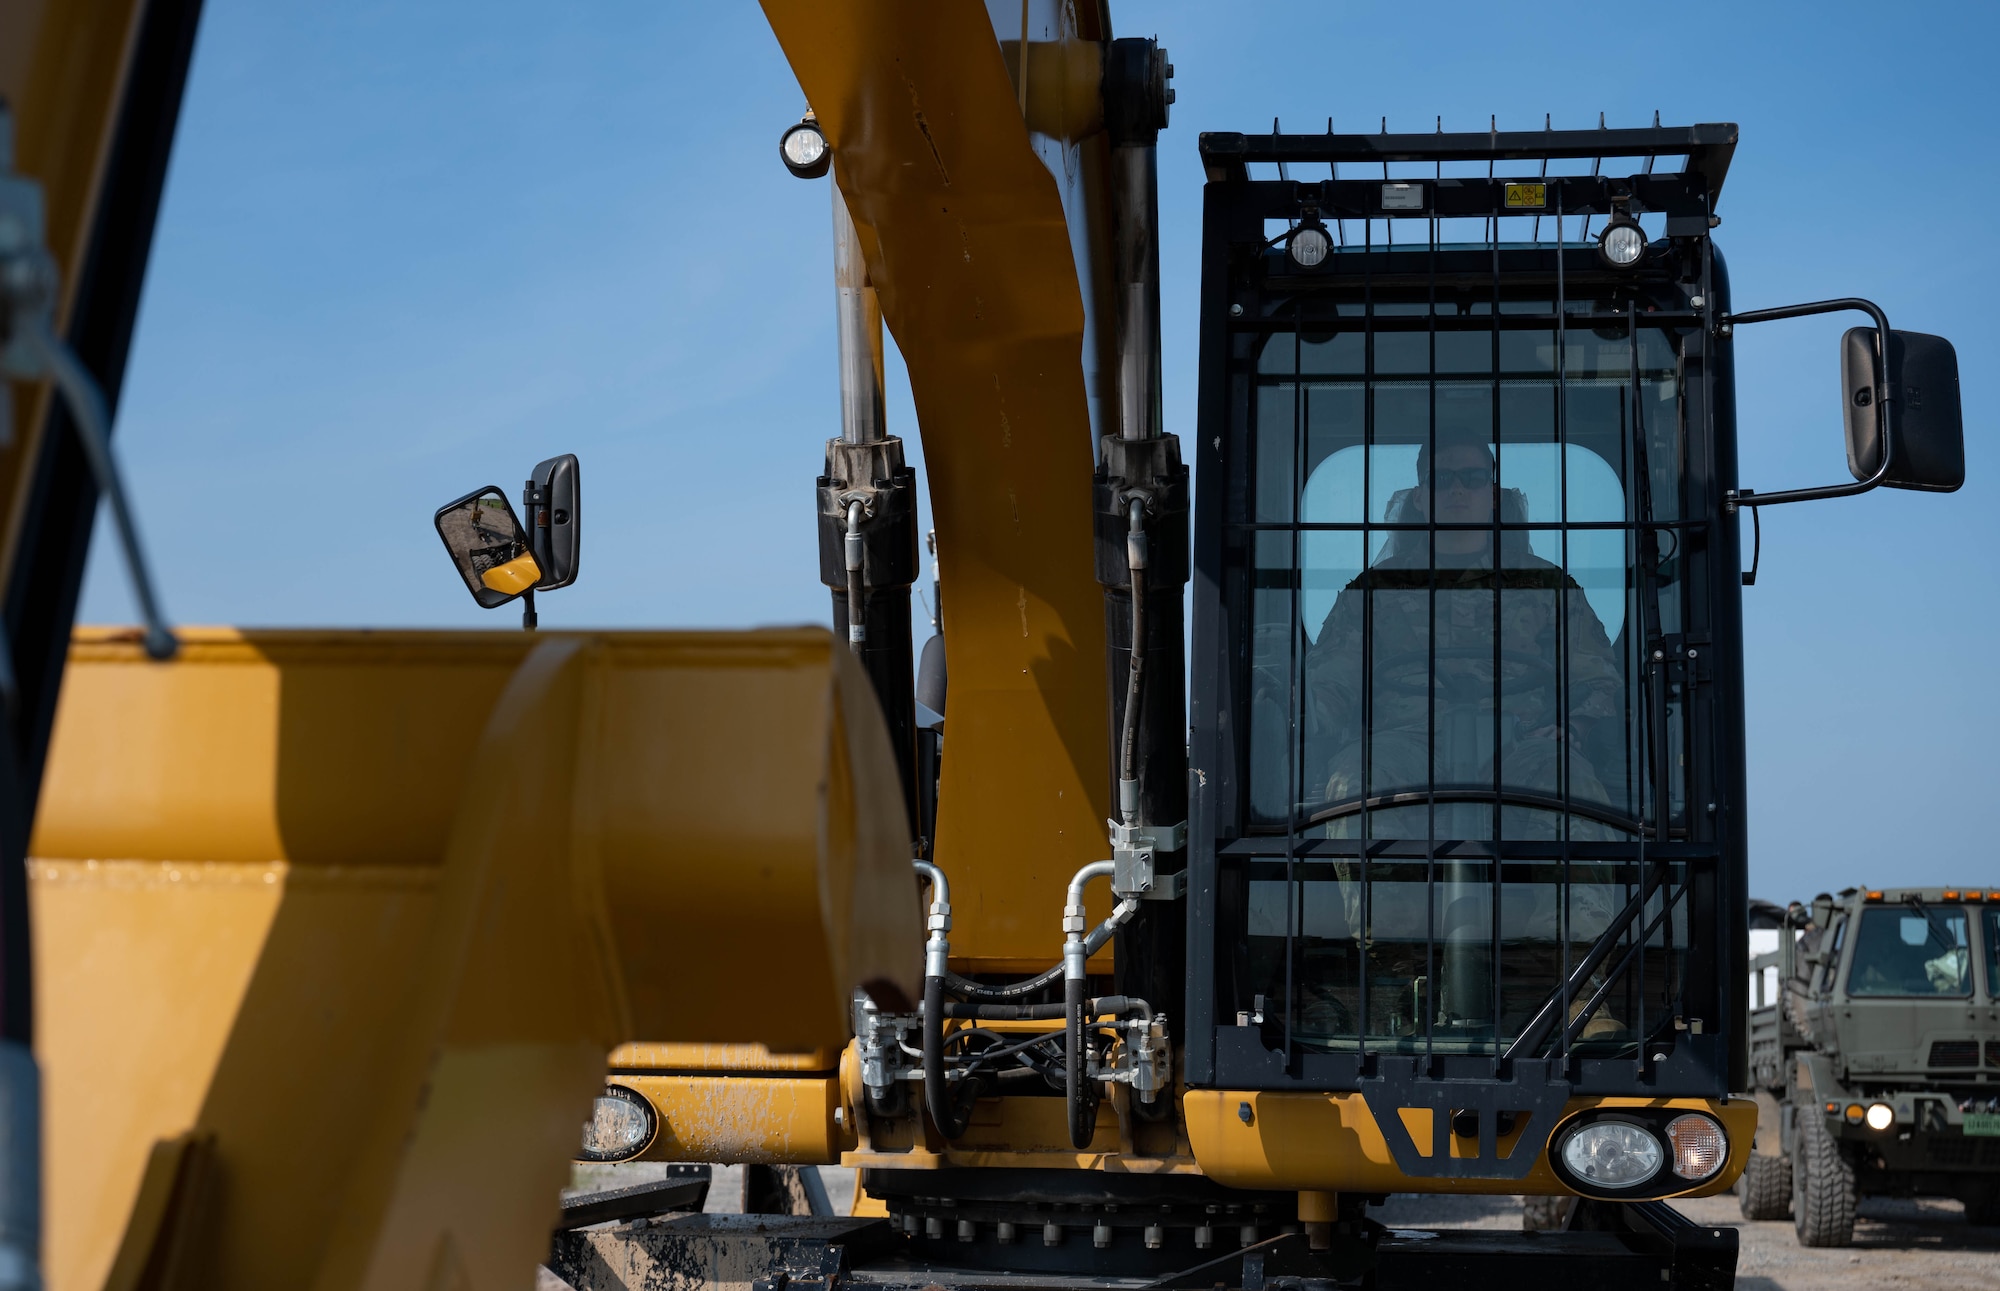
805 151
1612 1154
621 1125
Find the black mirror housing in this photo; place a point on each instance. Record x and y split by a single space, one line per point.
488 546
555 520
1929 436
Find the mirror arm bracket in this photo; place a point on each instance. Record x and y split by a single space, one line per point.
1884 403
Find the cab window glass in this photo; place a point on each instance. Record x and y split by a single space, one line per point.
1460 533
1911 951
1831 964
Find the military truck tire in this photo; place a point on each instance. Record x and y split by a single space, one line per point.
1551 1214
1765 1189
1822 1186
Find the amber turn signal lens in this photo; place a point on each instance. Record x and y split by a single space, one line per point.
1700 1146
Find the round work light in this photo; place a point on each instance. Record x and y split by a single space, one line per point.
1881 1116
1309 245
805 150
621 1124
1622 243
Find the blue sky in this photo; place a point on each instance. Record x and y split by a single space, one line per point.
411 249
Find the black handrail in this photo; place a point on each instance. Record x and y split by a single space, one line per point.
1455 794
1885 401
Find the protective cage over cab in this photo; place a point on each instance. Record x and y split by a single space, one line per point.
1467 749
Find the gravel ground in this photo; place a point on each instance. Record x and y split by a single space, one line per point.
1897 1243
1923 1244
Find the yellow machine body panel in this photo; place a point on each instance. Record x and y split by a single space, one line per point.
970 249
1331 1142
740 1118
336 930
736 1102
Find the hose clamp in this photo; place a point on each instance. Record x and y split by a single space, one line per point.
1134 850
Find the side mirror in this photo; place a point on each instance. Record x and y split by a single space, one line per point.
555 520
1929 444
1789 928
1906 394
489 546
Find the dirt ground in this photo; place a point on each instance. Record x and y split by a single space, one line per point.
1897 1243
1913 1244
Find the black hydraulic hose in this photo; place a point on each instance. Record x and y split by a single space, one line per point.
949 1117
1005 1012
1103 1005
1010 991
972 990
981 1058
1082 1105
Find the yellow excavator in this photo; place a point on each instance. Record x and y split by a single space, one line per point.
1342 797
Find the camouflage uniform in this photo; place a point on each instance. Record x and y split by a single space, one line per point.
1461 738
1458 732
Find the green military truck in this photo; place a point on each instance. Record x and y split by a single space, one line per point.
1875 1055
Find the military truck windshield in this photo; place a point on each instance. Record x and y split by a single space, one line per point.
1902 952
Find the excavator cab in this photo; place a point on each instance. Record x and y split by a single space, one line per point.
1467 830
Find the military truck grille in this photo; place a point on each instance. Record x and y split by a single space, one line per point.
1956 1053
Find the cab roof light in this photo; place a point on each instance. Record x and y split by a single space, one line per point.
1874 896
1950 895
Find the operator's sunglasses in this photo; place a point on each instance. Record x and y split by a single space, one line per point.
1469 478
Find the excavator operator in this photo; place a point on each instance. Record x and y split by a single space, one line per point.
1452 721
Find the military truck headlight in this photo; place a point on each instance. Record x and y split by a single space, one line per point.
805 151
1881 1116
1700 1146
1612 1154
620 1127
1622 243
